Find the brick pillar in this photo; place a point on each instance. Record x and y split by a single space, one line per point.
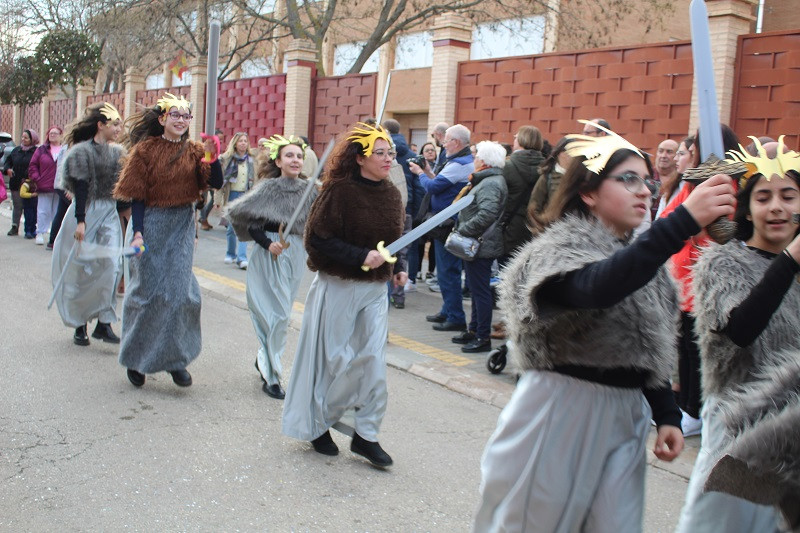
82 94
386 54
727 19
16 124
197 96
134 82
301 66
452 37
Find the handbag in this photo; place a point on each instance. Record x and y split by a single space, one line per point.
3 191
466 248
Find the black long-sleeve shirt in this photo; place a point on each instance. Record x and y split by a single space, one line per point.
259 233
747 321
604 283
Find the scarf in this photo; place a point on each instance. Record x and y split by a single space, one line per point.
34 141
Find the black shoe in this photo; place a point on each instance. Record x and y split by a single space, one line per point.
182 378
478 345
81 338
437 318
13 232
135 377
398 305
324 444
465 337
103 331
371 450
465 294
450 326
29 236
274 391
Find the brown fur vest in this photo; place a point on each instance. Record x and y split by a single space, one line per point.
163 174
360 214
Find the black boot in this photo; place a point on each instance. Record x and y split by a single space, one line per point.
324 444
103 331
13 231
181 378
135 377
274 391
371 450
81 338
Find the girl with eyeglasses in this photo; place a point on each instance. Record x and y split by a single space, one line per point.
278 263
591 318
164 175
90 170
340 363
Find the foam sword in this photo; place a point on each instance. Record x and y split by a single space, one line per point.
388 251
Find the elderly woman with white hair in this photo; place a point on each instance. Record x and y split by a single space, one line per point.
480 220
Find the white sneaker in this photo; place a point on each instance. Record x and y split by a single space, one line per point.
435 288
690 425
39 239
229 260
242 264
410 287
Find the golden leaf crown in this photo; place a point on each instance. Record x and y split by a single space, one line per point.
782 163
169 100
110 112
276 142
366 135
597 150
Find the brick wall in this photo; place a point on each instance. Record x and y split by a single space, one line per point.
339 102
32 118
62 112
644 92
7 119
766 98
149 97
252 105
116 99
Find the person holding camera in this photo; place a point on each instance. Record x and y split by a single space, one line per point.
443 188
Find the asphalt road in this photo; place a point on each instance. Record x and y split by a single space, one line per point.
82 449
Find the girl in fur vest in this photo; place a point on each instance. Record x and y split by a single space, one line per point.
747 302
89 174
164 175
341 355
278 262
592 322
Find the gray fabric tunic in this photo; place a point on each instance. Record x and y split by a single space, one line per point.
341 359
88 290
161 309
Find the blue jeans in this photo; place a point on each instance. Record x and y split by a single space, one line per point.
413 261
236 250
478 273
448 273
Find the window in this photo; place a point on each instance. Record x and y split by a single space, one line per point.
346 54
414 50
254 68
154 81
511 37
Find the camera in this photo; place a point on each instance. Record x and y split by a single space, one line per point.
419 161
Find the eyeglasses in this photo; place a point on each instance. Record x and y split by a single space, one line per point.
380 154
633 182
174 115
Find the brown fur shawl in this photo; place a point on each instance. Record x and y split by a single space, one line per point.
154 175
360 214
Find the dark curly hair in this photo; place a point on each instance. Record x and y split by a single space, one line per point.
343 162
85 128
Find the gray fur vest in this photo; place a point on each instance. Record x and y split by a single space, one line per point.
762 462
723 278
271 200
639 332
98 164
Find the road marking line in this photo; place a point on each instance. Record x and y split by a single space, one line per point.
403 342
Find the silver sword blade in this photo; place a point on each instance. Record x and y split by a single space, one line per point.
711 138
312 182
429 224
211 80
